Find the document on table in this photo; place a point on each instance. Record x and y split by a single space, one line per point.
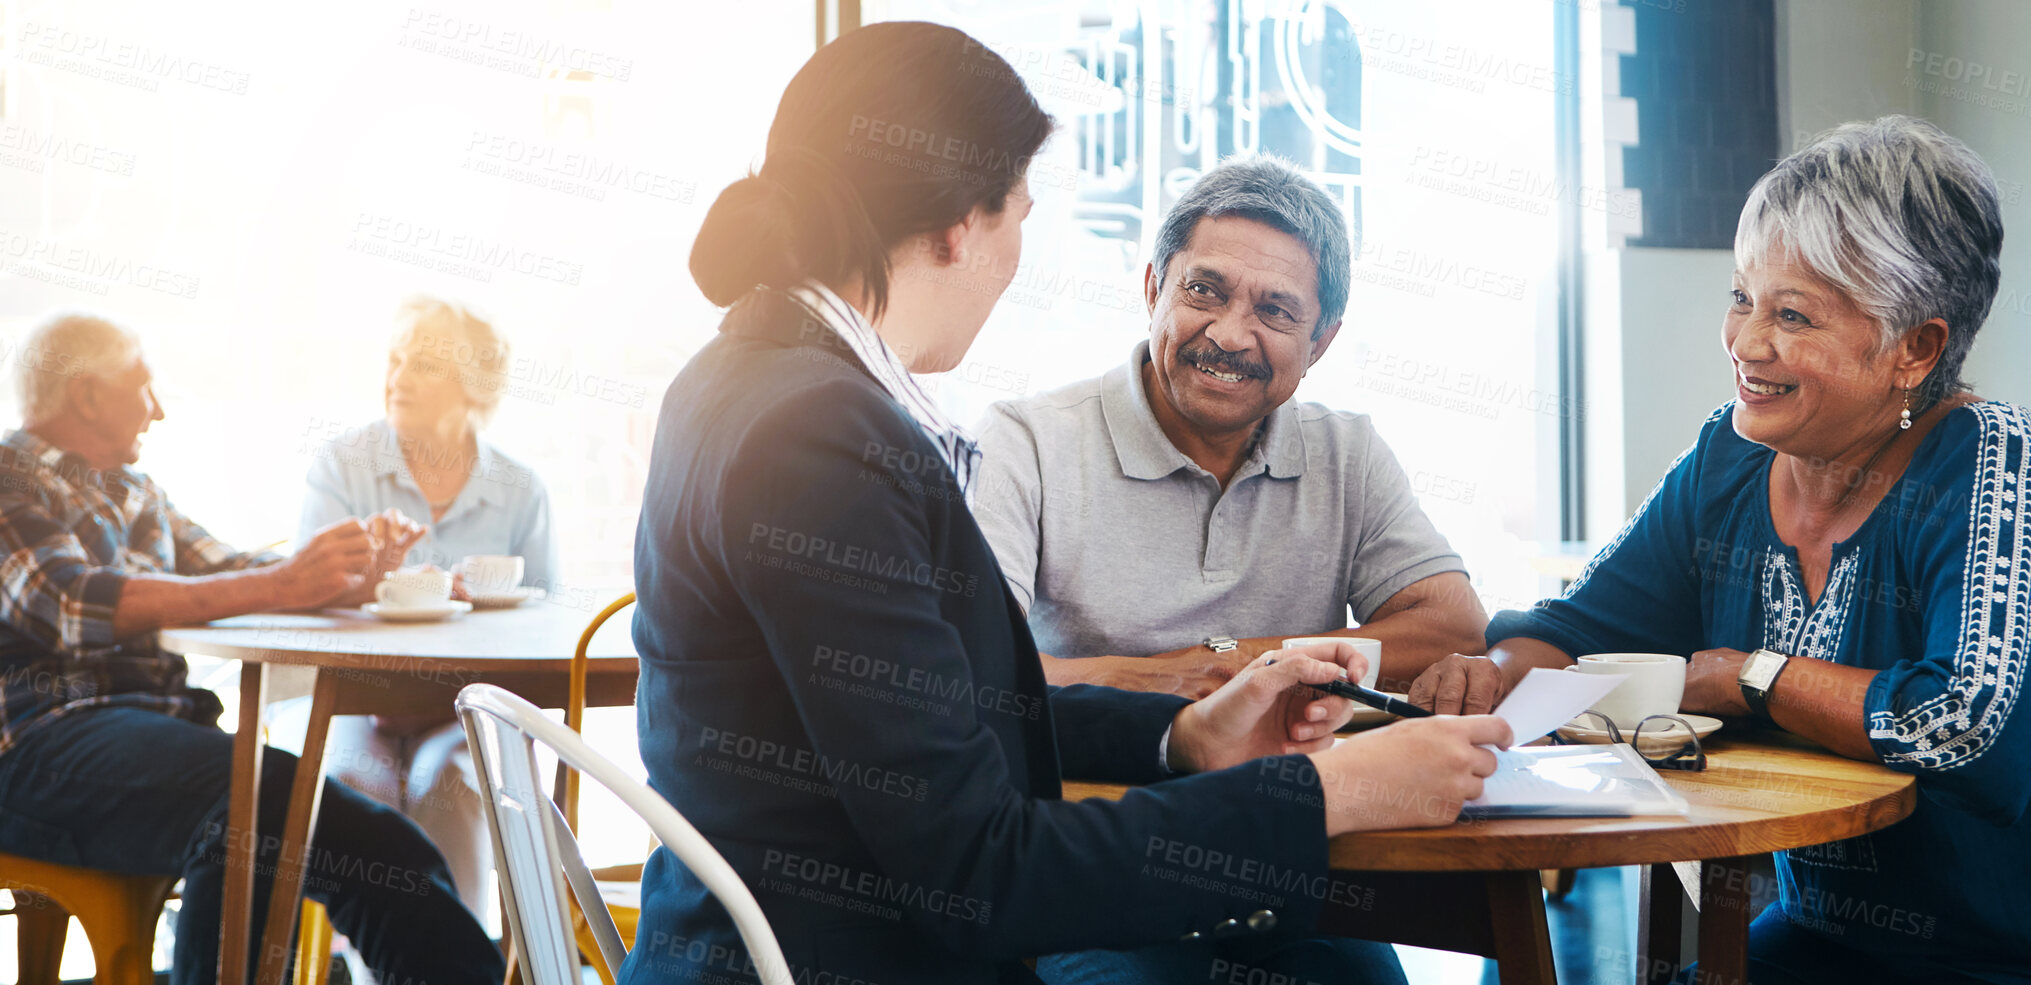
1573 781
1547 699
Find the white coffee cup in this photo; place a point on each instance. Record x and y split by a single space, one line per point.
491 574
1654 686
1371 649
414 588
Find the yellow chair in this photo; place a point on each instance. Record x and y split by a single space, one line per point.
621 885
313 945
118 913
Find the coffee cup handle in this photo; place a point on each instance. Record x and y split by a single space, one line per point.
380 593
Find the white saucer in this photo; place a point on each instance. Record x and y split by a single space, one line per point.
503 600
1573 731
418 613
1365 716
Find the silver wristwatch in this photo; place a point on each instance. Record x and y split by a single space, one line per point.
1758 676
1220 644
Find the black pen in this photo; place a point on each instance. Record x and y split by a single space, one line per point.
1373 699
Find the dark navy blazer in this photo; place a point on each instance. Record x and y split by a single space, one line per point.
839 692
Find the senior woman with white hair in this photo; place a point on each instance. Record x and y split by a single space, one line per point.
1843 554
447 369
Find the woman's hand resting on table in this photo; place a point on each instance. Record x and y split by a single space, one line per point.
1712 683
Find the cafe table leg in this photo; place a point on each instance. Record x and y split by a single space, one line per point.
306 791
1724 921
236 911
1659 925
1522 938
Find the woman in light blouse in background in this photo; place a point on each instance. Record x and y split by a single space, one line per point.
446 372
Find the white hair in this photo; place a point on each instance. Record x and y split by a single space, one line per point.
1898 216
63 347
473 352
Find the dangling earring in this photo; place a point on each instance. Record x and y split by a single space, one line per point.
1904 416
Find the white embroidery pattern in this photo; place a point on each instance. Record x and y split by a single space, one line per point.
1637 517
1788 626
1857 853
1963 722
1783 603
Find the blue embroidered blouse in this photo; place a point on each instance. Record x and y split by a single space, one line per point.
1933 591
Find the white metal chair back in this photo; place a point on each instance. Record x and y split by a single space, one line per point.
538 859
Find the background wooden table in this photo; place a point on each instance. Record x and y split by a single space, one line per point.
354 664
1761 792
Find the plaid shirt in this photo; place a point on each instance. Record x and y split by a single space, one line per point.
70 536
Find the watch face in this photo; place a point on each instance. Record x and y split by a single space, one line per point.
1761 669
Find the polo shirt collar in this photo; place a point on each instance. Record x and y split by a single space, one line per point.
1145 452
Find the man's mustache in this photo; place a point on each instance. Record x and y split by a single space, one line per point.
1208 356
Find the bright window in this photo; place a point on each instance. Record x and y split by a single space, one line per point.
254 189
1430 123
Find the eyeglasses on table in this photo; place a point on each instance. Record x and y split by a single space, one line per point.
1656 739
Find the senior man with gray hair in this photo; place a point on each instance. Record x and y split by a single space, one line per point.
1168 522
1174 519
108 758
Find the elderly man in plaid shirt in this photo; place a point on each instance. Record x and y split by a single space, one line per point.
108 758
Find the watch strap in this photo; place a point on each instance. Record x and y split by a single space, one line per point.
1220 644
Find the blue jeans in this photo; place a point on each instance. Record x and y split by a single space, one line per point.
1783 953
1251 961
136 791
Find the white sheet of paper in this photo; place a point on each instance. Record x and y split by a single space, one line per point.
1546 699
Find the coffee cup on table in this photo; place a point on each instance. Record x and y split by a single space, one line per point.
1371 649
414 588
1654 685
491 574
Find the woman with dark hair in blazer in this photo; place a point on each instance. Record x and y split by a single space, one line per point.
837 689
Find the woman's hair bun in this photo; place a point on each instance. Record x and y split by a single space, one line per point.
745 240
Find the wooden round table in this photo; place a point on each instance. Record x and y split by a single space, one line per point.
351 663
1761 792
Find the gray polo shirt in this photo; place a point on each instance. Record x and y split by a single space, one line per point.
1117 543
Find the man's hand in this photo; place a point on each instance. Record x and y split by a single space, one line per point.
1460 685
1265 710
1712 683
1415 773
1193 672
333 562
